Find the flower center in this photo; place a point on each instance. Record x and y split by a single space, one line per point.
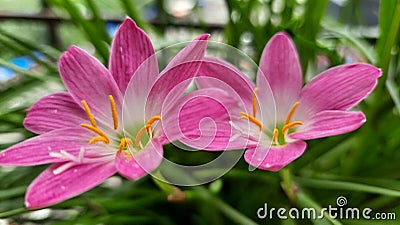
125 143
277 137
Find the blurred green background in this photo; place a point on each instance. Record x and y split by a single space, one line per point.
363 165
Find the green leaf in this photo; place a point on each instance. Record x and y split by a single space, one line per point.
389 22
344 185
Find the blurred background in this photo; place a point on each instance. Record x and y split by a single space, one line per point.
362 165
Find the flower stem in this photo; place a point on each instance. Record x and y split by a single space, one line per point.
287 184
230 212
13 212
203 194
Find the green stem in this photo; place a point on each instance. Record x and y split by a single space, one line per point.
287 184
203 194
13 212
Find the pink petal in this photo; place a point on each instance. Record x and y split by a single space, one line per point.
339 88
201 119
52 112
280 64
140 163
220 74
49 189
172 84
177 75
275 157
137 91
329 123
194 51
36 151
267 107
87 79
130 48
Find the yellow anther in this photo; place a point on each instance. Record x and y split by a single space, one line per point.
276 135
146 127
97 131
125 142
114 112
255 102
290 125
251 119
89 113
97 139
291 112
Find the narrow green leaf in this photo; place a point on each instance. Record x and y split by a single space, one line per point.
49 51
389 22
91 33
343 185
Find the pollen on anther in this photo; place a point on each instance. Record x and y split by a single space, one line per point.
114 111
89 113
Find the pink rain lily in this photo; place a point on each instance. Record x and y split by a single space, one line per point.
92 132
278 113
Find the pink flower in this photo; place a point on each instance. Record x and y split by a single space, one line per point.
82 131
283 114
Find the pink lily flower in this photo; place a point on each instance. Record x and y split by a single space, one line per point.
82 132
283 114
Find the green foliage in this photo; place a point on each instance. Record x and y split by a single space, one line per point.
363 166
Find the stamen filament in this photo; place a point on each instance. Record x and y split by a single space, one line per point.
89 113
276 135
255 102
291 112
97 139
139 136
98 131
146 127
251 119
290 125
125 142
114 112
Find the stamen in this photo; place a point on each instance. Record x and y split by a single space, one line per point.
151 121
146 127
99 132
139 136
98 139
125 142
291 112
276 135
255 102
290 125
114 112
89 113
251 119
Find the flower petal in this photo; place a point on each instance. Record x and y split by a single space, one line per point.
171 84
329 123
130 48
220 74
37 150
52 112
201 119
87 79
137 165
194 51
177 76
339 88
49 189
280 64
274 158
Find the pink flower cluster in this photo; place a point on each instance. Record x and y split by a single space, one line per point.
116 119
